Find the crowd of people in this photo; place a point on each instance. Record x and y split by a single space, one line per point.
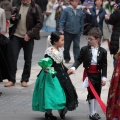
66 20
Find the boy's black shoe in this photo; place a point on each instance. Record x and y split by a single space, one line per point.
96 114
93 117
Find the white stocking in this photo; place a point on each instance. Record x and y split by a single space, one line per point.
91 107
95 105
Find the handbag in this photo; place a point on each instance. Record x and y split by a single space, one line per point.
87 28
3 39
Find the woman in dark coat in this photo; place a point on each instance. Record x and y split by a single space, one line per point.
97 15
114 19
4 70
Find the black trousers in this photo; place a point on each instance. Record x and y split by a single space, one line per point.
13 52
95 79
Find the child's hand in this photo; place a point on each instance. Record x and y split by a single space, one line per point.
46 70
103 83
70 71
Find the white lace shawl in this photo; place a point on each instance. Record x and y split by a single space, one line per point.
56 55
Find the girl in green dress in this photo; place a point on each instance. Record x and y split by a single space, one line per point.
54 89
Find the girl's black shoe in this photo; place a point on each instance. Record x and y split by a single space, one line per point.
63 112
50 116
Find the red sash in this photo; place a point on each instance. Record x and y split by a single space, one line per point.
93 69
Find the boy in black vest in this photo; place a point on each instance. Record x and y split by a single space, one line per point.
94 59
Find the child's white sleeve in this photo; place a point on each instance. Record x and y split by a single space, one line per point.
104 78
73 68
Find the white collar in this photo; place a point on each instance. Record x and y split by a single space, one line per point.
94 48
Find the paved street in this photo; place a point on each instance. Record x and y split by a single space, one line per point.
15 102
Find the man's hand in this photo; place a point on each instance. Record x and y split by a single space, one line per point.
103 83
26 37
70 71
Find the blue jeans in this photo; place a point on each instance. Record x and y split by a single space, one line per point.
69 38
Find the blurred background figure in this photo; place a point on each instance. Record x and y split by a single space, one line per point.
26 22
4 70
107 28
6 5
71 23
2 21
58 7
88 3
50 23
96 16
42 4
114 19
15 2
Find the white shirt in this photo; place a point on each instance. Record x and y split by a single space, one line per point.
94 56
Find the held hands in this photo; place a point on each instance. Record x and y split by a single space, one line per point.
26 37
70 71
103 83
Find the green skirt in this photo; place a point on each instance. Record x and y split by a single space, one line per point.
48 93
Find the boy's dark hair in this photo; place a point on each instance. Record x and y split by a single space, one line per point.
95 32
55 36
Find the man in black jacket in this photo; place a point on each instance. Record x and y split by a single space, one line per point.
27 22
